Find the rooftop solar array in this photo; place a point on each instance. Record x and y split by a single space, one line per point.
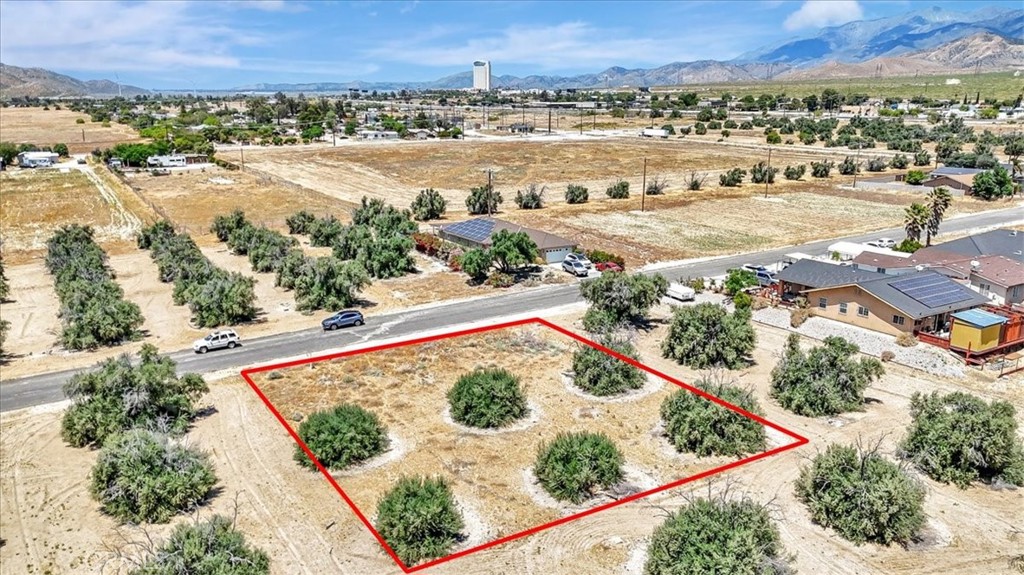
475 230
932 290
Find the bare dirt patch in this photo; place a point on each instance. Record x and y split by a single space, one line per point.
48 127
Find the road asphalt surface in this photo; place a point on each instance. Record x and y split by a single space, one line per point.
47 388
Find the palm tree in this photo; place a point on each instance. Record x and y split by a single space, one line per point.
939 200
915 221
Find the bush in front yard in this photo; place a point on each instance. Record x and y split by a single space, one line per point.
600 374
573 465
211 547
698 425
419 519
344 436
487 398
828 380
143 477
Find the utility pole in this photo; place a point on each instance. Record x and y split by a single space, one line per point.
643 188
549 120
856 166
241 152
581 121
769 172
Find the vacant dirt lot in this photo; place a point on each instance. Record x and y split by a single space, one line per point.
48 520
48 127
34 203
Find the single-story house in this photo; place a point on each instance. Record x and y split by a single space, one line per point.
807 274
37 159
1001 242
520 128
954 171
171 161
476 233
907 263
846 251
921 301
996 277
955 183
377 135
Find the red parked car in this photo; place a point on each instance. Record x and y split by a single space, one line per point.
608 267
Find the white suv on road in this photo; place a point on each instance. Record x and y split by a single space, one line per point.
217 340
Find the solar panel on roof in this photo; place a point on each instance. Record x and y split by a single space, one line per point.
474 230
932 290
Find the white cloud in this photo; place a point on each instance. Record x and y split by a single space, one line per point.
821 13
563 46
113 36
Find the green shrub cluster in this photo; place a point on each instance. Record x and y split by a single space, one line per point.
265 248
795 172
341 437
960 438
428 205
763 173
618 191
532 198
576 194
573 465
419 519
822 169
121 395
299 222
93 310
849 166
828 380
706 335
732 178
698 425
862 496
616 299
600 374
379 239
141 476
209 547
483 200
487 398
215 296
717 536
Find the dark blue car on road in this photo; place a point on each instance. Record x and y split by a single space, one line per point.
343 319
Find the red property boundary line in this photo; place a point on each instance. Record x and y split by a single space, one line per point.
246 374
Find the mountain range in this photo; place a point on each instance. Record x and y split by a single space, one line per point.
929 41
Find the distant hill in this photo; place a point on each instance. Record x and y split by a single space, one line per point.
982 52
37 82
894 36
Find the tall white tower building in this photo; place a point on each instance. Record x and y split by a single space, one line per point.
482 75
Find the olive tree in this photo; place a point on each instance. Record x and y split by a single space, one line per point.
698 425
512 250
706 335
210 546
861 495
573 465
299 222
717 535
419 519
141 476
828 380
487 398
960 438
428 205
341 437
619 298
598 373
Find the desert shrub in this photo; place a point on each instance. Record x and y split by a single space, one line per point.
714 125
742 300
500 279
877 164
862 496
299 222
93 310
79 120
323 232
624 297
915 177
906 340
798 316
887 356
698 425
290 268
700 128
717 536
739 279
428 205
899 162
5 287
601 374
694 181
215 296
706 335
121 395
329 283
224 225
141 476
379 239
573 465
211 547
960 438
795 172
340 437
922 158
600 256
822 169
849 166
576 194
908 245
476 263
828 380
483 200
993 184
618 191
732 178
762 173
487 398
697 284
419 519
656 186
532 198
61 150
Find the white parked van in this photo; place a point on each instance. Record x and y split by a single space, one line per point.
681 292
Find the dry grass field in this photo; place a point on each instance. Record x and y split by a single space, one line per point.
48 127
50 523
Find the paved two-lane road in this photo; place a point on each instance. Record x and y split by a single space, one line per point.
46 388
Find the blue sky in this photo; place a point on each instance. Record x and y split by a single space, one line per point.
223 44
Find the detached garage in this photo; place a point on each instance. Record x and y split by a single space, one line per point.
476 233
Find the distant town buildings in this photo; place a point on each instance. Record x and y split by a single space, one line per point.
482 75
